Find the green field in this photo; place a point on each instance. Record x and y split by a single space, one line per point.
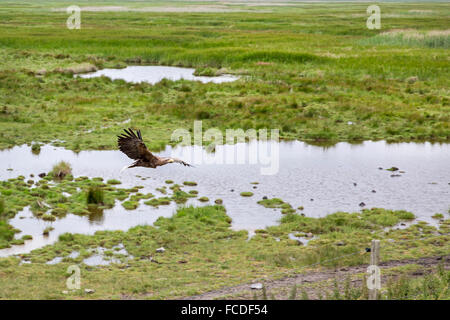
308 69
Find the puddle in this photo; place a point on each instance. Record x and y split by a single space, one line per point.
154 74
326 175
73 255
99 258
55 260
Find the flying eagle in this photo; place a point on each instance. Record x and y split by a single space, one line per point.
133 146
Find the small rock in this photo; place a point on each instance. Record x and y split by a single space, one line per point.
89 291
160 250
41 175
373 191
311 199
302 214
232 190
403 224
362 204
256 286
309 235
380 168
355 184
254 187
340 243
265 198
395 175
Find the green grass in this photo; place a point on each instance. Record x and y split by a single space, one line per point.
156 202
271 203
438 216
60 170
307 70
95 195
411 38
113 181
285 207
6 234
35 148
47 231
130 205
203 253
434 286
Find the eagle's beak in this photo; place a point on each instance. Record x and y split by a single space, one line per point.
170 160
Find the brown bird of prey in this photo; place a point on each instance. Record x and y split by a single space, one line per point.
133 146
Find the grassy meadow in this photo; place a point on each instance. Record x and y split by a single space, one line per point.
312 70
307 70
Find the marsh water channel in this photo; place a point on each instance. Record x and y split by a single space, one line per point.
154 74
321 179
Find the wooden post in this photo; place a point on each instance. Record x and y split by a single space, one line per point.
374 261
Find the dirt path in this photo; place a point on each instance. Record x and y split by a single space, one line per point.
311 282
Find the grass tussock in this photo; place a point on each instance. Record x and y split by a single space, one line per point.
95 195
61 170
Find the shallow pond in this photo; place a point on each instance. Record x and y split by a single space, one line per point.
322 180
154 74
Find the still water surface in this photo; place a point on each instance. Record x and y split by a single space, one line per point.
322 180
154 74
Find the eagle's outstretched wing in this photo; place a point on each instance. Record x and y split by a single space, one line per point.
181 162
133 146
